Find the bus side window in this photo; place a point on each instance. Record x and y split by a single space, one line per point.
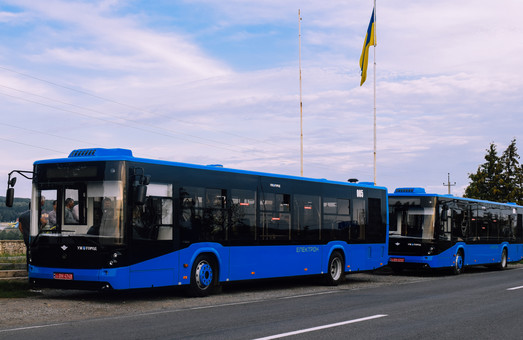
275 216
154 219
190 220
214 214
359 222
243 215
445 214
336 219
306 218
519 228
375 225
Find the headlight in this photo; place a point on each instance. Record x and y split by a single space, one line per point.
114 258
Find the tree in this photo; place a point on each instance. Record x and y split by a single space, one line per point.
11 214
483 182
499 179
511 183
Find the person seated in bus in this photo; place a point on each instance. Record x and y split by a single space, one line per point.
70 217
52 216
44 216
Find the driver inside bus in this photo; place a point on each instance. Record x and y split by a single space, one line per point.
108 223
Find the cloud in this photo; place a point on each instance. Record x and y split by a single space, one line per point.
108 73
90 36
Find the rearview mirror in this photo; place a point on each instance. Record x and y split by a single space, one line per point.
140 194
9 197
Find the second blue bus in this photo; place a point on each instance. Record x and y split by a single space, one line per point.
443 231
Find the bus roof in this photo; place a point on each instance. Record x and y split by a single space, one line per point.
118 154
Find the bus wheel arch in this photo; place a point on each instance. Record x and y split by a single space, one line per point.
459 262
204 275
335 268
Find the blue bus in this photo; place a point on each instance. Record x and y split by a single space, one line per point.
443 231
120 222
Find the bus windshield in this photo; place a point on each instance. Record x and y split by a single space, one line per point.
412 217
90 209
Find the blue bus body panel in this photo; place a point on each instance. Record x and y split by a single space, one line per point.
157 272
271 261
363 257
475 254
118 278
235 263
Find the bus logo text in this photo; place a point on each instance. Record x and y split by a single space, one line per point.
88 248
307 249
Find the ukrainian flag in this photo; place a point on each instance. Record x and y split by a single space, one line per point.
369 41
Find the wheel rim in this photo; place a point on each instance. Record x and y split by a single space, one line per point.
504 259
335 269
204 275
459 262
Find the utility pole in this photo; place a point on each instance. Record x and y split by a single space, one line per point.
448 184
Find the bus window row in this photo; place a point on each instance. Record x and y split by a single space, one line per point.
481 223
211 214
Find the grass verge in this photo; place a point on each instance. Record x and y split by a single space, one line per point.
15 289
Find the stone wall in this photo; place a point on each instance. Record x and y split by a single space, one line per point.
8 247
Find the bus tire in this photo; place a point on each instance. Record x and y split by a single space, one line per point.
504 260
335 269
204 276
459 263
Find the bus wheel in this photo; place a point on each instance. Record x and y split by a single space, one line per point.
503 264
459 263
203 276
336 272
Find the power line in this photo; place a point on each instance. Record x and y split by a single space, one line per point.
33 146
46 133
123 124
124 105
100 112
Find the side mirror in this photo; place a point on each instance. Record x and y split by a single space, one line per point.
140 182
140 194
9 197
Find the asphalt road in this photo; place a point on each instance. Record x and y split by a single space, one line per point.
480 304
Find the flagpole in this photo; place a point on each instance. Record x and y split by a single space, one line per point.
375 28
301 103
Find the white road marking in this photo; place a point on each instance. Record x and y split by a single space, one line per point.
30 327
277 336
515 288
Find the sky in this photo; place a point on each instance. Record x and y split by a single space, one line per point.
217 82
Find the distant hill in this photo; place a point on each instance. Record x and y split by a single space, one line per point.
11 214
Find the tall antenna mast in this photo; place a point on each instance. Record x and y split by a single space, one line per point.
301 103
